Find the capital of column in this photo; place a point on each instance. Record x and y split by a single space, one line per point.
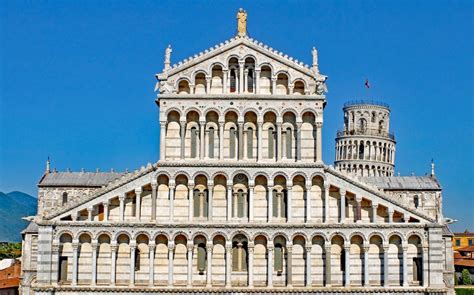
90 209
385 247
94 245
229 184
209 247
358 198
133 244
366 247
163 124
75 244
55 248
347 247
190 246
221 124
105 204
113 247
319 124
182 122
138 191
308 248
375 205
228 247
342 192
327 248
122 197
202 121
171 246
390 210
241 63
274 79
327 186
289 247
154 185
270 246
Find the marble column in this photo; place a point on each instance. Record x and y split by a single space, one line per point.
342 205
202 127
210 191
278 143
208 84
133 248
241 140
358 200
151 267
425 263
244 145
241 76
224 81
319 142
89 213
298 141
374 212
347 271
106 210
289 208
121 207
154 188
113 250
259 140
94 263
289 264
326 202
228 263
229 200
405 264
251 201
308 202
221 140
257 81
171 192
390 215
270 249
170 263
274 80
138 196
308 265
55 261
75 248
246 79
327 253
191 201
182 123
190 248
385 265
250 268
162 140
270 201
209 247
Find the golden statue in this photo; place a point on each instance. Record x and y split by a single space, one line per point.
242 22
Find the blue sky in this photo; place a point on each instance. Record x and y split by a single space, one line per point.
77 78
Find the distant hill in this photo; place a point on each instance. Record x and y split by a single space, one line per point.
14 206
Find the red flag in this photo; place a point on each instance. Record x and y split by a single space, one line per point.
367 83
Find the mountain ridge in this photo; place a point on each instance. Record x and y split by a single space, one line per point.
13 206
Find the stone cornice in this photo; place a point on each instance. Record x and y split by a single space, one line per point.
243 96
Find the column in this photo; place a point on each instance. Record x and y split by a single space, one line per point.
228 261
171 192
251 209
121 208
182 123
209 247
190 248
289 205
208 85
250 268
283 144
274 80
278 143
113 249
55 261
202 127
94 263
358 200
424 263
246 79
105 204
89 213
385 265
342 205
326 202
191 201
229 200
319 145
221 140
154 188
366 265
374 212
259 140
244 144
241 76
289 264
162 139
138 195
151 267
224 80
210 189
257 81
270 249
170 263
133 248
270 201
347 272
327 251
75 247
390 215
298 141
308 265
308 202
404 264
241 140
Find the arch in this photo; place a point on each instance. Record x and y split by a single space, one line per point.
320 234
319 174
231 109
262 173
282 234
251 109
182 172
289 110
232 56
135 236
377 234
219 173
190 109
271 110
235 173
212 109
180 80
242 233
219 233
63 232
299 234
334 234
250 55
119 233
396 233
266 64
414 233
159 173
282 174
201 173
84 232
298 173
179 233
308 110
103 232
160 233
357 233
197 72
215 63
200 233
283 72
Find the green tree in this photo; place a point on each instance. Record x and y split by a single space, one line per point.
10 250
466 277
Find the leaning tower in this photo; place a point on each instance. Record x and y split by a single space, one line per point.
365 146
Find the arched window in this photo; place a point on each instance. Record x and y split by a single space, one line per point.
250 80
289 143
211 142
416 201
137 259
194 143
271 143
361 151
362 125
373 117
200 203
278 259
343 260
232 137
381 125
64 201
239 256
233 81
201 258
250 143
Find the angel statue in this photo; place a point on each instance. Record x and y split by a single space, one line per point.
242 22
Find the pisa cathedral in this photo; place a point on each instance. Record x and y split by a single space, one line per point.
240 200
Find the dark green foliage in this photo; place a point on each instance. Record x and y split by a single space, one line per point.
466 277
14 206
464 291
10 250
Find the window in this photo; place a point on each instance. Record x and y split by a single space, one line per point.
373 117
200 203
250 81
201 258
194 144
271 143
289 143
239 256
417 269
233 80
64 198
362 125
470 242
137 259
458 242
361 151
278 259
232 135
211 142
416 201
250 143
381 124
343 260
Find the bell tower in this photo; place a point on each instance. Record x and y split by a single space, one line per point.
365 146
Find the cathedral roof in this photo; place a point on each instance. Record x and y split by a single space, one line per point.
403 182
82 179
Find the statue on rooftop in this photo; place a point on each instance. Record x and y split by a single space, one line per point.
242 22
168 51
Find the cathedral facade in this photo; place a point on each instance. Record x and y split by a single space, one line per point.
240 200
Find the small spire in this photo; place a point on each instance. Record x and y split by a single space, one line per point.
315 60
432 168
48 166
168 51
97 170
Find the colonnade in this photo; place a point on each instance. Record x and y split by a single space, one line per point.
365 150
